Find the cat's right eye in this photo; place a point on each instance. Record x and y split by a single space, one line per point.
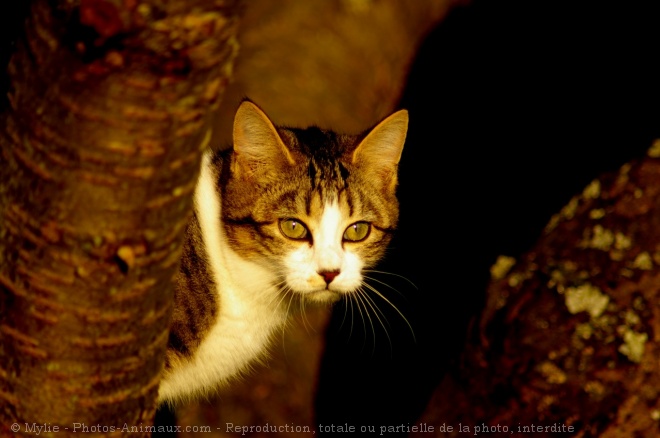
293 229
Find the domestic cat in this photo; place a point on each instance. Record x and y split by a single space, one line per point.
285 215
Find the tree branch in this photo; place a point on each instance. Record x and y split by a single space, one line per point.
568 340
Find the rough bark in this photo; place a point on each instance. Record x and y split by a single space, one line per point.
569 337
109 104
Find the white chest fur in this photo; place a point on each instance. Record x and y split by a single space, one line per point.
249 309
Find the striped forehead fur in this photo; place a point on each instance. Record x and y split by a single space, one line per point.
324 151
322 168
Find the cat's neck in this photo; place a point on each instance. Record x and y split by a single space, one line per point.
232 273
249 306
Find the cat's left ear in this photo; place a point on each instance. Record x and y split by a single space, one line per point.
380 151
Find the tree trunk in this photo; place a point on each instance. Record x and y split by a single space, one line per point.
568 342
110 104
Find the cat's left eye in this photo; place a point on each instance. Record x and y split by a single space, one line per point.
293 229
357 231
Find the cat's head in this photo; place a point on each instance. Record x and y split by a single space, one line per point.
315 207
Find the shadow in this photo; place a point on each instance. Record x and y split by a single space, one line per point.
165 423
514 108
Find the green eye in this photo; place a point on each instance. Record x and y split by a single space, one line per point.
356 232
293 229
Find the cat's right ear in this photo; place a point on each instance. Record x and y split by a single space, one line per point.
258 149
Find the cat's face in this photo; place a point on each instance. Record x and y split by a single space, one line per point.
314 207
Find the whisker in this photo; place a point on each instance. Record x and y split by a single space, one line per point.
280 296
384 298
349 302
359 296
283 288
301 309
292 296
385 284
380 316
353 299
377 310
307 324
392 274
275 298
286 291
346 301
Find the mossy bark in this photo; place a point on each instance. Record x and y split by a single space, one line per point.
568 341
110 105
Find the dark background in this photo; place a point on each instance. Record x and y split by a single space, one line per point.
515 106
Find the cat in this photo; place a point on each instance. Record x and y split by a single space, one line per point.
284 215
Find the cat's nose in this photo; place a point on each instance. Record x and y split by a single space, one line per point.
328 276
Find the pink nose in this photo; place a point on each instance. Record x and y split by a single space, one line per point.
328 276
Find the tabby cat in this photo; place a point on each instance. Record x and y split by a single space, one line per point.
284 215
